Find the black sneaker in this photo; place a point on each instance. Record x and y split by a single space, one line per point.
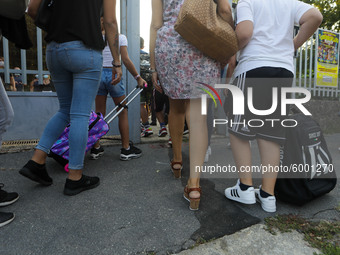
133 152
7 198
75 187
96 153
36 172
6 218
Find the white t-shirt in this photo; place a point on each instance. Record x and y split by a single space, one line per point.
107 56
272 40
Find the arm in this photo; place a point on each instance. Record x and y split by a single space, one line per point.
309 23
156 23
231 67
111 31
244 32
31 85
130 66
33 8
224 10
12 82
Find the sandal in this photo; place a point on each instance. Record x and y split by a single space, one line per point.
194 202
176 171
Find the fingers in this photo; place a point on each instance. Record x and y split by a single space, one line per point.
116 75
155 83
142 83
158 88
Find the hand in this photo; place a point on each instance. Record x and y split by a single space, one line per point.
116 75
141 82
155 82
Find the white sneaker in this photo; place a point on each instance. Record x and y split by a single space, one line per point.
268 204
207 154
235 193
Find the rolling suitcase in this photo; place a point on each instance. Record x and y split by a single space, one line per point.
98 127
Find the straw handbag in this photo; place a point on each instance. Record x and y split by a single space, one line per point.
200 25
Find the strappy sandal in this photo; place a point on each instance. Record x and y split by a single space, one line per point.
176 171
194 202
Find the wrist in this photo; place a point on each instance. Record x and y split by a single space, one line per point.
137 77
153 70
116 65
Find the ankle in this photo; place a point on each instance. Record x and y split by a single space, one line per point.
75 175
36 164
39 161
39 157
265 194
244 187
193 183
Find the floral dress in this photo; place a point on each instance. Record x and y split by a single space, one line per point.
180 66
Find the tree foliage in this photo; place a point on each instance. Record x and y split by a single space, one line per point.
330 10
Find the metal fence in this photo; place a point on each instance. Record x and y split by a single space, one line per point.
305 70
304 62
24 71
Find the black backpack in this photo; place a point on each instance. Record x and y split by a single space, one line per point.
307 171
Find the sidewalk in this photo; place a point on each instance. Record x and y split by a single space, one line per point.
139 209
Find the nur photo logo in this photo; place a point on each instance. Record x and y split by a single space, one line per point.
240 101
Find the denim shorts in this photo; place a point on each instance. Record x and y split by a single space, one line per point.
106 87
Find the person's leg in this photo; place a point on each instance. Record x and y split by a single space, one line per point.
176 123
6 118
242 157
35 169
198 145
85 87
146 130
71 60
270 157
240 136
197 124
210 123
210 120
128 150
56 125
160 117
143 113
243 191
6 111
153 113
100 102
123 123
159 106
159 99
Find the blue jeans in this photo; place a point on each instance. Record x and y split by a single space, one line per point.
76 71
6 111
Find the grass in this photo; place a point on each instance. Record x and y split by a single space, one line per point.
323 235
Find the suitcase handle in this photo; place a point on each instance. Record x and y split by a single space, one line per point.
122 107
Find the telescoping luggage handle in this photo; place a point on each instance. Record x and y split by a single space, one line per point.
122 106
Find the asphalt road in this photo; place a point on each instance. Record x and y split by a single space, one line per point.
137 209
